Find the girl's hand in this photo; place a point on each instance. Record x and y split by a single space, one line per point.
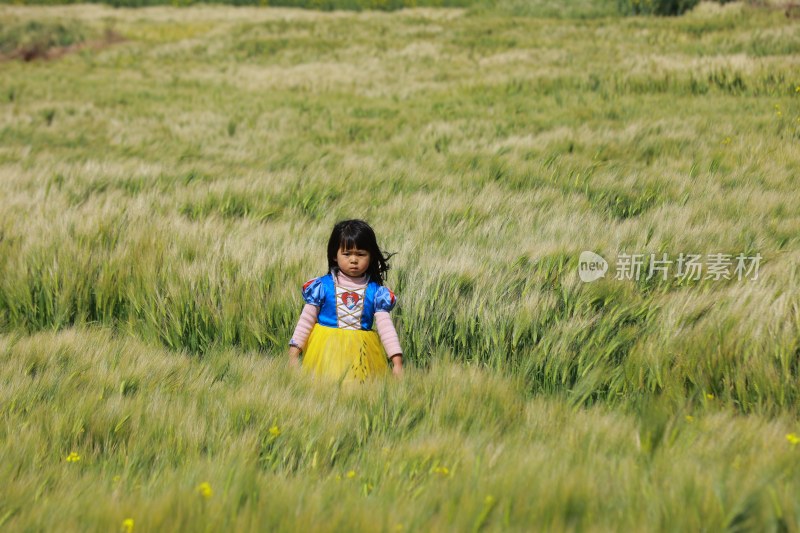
294 357
397 361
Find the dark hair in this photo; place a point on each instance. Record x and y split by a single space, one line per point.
356 233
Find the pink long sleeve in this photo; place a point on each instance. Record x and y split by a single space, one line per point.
387 333
307 320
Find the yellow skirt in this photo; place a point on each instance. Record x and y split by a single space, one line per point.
344 354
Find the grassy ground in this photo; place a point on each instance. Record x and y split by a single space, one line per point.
166 192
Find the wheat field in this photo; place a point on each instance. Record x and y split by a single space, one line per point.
170 177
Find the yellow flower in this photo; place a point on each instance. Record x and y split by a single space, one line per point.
204 490
351 474
274 431
709 396
73 458
797 89
793 439
127 525
442 470
689 418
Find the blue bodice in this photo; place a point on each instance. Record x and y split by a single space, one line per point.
346 308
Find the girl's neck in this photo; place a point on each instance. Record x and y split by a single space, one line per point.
344 279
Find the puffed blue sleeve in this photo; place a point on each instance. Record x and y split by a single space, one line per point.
314 292
384 299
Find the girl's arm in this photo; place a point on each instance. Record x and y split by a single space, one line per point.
301 332
390 341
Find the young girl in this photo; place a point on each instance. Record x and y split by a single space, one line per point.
335 327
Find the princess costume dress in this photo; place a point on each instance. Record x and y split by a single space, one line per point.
342 344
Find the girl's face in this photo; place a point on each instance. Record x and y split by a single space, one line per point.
353 262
